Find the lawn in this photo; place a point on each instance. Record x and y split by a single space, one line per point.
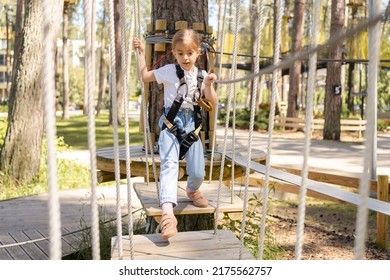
75 132
72 135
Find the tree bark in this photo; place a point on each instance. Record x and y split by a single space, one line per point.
103 64
118 70
254 39
21 153
295 69
333 76
65 64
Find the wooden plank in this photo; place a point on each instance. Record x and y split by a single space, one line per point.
335 179
76 231
185 245
43 245
67 248
382 220
32 250
16 252
353 198
285 187
74 237
147 194
4 255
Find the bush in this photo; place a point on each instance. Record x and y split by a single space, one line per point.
243 118
381 125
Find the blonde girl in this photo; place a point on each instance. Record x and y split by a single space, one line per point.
186 48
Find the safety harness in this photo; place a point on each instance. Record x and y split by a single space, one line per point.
186 139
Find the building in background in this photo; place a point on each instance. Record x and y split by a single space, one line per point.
5 63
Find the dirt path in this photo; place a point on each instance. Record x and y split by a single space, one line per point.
329 231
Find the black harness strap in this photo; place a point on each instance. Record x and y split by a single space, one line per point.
185 140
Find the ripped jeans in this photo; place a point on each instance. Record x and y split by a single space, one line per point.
169 149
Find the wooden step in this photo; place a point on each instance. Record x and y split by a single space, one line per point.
147 194
190 245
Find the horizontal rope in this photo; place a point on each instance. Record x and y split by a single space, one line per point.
300 56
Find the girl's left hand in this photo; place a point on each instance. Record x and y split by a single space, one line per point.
210 79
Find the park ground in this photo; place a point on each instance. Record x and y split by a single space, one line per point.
329 227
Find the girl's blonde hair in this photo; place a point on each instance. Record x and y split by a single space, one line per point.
186 36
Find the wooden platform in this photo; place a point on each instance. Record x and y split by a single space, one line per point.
147 194
38 250
25 219
105 163
194 245
321 188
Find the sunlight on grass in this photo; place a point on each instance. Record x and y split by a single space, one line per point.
75 132
71 135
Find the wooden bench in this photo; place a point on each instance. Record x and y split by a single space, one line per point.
353 125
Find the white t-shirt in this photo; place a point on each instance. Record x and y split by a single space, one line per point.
166 75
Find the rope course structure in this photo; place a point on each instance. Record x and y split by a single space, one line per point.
362 200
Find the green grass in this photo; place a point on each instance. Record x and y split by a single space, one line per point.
75 132
72 135
3 109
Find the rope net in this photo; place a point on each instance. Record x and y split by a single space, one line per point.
361 223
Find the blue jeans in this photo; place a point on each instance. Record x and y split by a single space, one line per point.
169 149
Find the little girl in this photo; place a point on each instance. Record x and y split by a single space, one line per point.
186 48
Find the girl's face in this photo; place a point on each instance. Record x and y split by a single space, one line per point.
186 55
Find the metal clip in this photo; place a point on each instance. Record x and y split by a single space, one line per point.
205 103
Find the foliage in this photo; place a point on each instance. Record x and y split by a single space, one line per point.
75 132
70 176
384 90
76 86
3 130
243 118
252 231
381 125
3 108
107 230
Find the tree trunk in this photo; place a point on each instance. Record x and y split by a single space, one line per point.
295 69
65 64
103 64
21 153
254 39
351 88
18 37
333 76
172 11
118 70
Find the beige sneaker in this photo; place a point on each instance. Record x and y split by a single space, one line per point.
197 198
168 226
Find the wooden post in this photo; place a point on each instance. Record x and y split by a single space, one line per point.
161 25
182 24
148 57
198 26
382 219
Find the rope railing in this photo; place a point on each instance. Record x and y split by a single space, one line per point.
48 71
368 159
55 232
307 142
148 143
229 101
259 29
125 84
115 126
304 54
271 118
90 86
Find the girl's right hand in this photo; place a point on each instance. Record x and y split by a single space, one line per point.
138 45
